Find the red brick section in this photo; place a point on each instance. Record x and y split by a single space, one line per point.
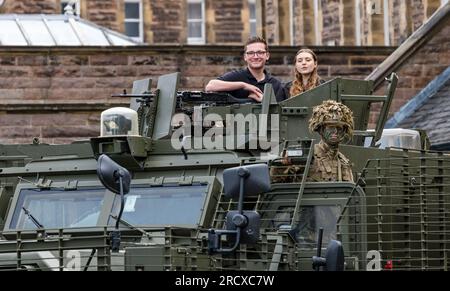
22 127
422 67
86 78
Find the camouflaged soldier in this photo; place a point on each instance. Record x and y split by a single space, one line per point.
334 122
286 173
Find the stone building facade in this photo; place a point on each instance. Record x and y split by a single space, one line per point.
281 22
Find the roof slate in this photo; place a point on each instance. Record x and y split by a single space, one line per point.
433 115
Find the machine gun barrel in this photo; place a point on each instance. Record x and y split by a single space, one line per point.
221 98
124 95
145 98
192 97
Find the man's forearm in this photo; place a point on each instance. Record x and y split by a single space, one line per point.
219 85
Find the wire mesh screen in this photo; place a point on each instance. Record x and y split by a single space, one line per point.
289 227
402 222
163 249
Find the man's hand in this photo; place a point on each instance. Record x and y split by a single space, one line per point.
255 92
219 86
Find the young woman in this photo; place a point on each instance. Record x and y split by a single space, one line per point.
305 73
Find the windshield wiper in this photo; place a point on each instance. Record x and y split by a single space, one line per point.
32 218
129 225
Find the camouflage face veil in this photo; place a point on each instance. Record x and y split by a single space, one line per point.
331 112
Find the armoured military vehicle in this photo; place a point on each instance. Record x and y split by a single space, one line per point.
180 181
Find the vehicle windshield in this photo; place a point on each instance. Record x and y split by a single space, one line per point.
164 205
57 208
314 217
310 220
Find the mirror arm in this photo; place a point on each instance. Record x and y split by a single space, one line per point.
318 260
241 191
122 201
115 234
117 180
239 221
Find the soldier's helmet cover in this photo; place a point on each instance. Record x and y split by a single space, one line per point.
332 112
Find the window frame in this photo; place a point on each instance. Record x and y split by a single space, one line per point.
292 4
386 23
139 20
169 194
109 197
317 24
53 197
252 20
358 23
196 40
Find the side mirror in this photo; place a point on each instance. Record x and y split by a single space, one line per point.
113 176
335 256
257 180
242 226
117 179
334 259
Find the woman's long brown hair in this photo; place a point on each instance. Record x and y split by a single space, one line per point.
313 81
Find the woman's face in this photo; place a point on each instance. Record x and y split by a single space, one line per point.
304 63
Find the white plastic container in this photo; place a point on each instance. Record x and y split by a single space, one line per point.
399 137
